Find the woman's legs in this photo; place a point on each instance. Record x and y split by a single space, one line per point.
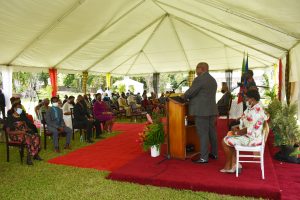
229 155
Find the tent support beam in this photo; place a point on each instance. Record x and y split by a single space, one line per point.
105 28
241 43
49 28
134 61
221 41
147 41
225 27
246 17
180 43
136 54
125 42
149 62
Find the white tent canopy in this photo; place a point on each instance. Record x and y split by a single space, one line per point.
129 37
138 87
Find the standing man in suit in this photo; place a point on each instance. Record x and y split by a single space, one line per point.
202 105
56 124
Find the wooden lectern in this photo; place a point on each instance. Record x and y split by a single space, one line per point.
180 134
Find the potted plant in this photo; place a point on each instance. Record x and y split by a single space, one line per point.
283 122
153 135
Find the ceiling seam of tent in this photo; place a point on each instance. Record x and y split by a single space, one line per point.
125 42
133 63
223 8
154 69
211 36
236 41
225 27
147 41
102 30
127 59
180 43
49 28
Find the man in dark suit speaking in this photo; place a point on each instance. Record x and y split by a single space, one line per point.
202 105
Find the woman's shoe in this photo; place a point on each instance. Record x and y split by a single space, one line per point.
230 171
29 161
37 157
239 168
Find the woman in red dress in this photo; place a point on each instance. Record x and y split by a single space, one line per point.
103 114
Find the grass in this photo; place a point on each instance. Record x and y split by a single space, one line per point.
49 181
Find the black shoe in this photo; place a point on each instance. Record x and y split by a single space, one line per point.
29 161
37 157
213 156
200 161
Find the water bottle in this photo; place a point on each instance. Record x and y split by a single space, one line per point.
185 121
81 138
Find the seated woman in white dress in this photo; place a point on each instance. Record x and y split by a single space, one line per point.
249 132
67 111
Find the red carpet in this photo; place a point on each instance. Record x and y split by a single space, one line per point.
123 156
108 154
187 175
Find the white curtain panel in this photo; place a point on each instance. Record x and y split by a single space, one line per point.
7 84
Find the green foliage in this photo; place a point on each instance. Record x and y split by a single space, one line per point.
154 134
121 88
131 88
270 92
95 81
69 80
284 123
43 77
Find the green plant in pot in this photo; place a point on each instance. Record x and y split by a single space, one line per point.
284 125
153 134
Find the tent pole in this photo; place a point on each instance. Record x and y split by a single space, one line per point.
49 28
223 26
105 28
125 42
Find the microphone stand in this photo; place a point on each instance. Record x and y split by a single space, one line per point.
168 156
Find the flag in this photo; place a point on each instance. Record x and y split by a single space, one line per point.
243 80
279 80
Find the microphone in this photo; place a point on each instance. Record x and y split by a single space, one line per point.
185 80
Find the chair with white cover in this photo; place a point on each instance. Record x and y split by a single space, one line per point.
258 152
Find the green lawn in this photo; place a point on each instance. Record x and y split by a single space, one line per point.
49 181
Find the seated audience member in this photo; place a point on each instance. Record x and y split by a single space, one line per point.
88 104
224 103
21 129
249 132
147 104
65 99
162 99
131 99
84 120
138 98
67 111
123 104
56 124
45 107
103 114
37 110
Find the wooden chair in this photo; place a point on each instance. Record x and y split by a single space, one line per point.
76 127
10 143
46 132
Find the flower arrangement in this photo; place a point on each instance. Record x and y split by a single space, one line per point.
153 134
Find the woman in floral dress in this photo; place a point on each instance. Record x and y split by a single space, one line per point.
21 129
249 132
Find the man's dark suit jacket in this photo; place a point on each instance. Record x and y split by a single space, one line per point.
51 119
224 103
80 113
202 96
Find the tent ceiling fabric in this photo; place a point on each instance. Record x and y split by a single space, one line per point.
130 37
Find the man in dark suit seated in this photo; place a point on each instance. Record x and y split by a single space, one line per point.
224 102
82 119
56 124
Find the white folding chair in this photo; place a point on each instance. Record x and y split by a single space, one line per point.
258 152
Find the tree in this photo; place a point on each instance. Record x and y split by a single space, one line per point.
69 80
43 77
